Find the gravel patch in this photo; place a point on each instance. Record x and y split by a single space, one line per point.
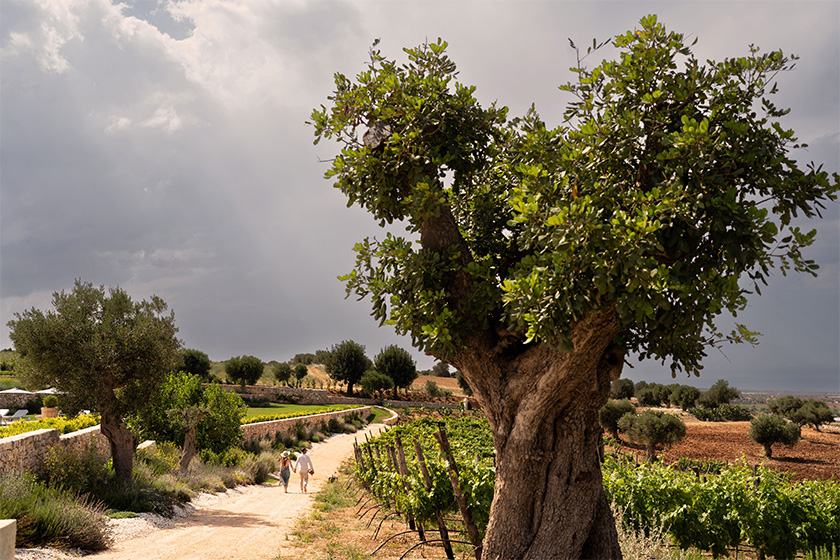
130 527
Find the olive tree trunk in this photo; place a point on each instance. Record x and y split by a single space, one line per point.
542 404
123 443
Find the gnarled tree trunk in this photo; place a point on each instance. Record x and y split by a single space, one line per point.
123 443
543 404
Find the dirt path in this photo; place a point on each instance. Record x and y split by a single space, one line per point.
250 523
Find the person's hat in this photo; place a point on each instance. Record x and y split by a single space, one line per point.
284 454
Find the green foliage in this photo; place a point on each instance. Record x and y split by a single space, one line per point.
397 364
441 369
431 388
51 517
92 339
195 362
785 405
652 428
621 389
300 371
245 370
51 401
767 429
347 362
219 426
282 372
74 471
652 394
612 412
684 396
63 424
718 394
808 412
294 414
305 359
102 351
718 511
373 381
662 189
722 413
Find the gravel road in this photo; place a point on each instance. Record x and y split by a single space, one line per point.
250 522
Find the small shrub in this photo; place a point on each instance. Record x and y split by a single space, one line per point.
50 517
611 413
51 401
767 429
431 388
78 472
652 428
722 413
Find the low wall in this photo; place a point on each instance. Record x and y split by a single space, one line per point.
270 428
319 396
16 400
27 451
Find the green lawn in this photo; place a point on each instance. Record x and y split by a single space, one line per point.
274 408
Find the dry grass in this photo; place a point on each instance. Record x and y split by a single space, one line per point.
341 528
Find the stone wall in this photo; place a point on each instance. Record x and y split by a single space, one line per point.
319 396
16 400
27 451
269 430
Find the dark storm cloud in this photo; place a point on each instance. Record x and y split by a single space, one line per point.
162 146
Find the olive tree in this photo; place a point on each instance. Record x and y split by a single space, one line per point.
612 412
652 428
718 394
347 362
536 259
767 429
104 352
245 370
621 389
195 362
282 372
300 371
396 363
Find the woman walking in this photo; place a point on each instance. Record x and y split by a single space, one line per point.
303 466
285 466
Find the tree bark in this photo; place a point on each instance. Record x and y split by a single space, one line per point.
542 404
123 443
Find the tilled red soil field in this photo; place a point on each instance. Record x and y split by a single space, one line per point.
816 456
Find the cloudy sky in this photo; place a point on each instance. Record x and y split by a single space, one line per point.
161 145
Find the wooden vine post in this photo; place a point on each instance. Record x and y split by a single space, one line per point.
444 533
404 473
472 530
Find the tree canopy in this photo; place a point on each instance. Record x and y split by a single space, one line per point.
195 362
397 364
537 258
104 352
347 362
245 370
669 182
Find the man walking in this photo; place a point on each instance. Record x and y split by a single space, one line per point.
304 467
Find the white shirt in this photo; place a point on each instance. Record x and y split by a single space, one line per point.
303 462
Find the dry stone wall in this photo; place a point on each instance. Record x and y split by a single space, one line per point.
319 396
26 452
269 430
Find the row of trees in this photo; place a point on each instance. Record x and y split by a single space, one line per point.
683 396
393 368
